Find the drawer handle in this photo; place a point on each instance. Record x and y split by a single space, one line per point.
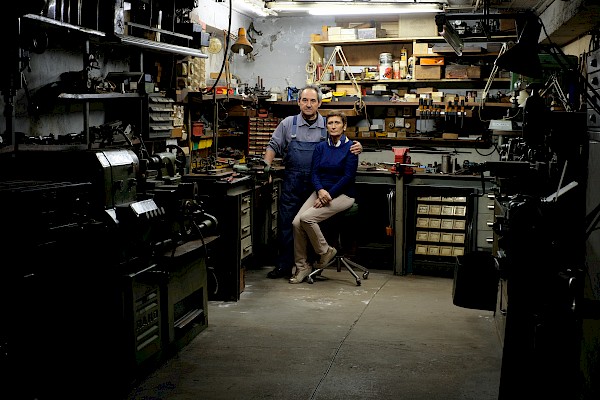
245 229
247 248
489 240
246 211
490 207
489 224
491 196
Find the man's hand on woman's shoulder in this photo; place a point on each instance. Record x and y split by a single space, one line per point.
356 147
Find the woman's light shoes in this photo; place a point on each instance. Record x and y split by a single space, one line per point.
301 274
327 257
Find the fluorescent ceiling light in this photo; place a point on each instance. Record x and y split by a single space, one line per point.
254 7
354 7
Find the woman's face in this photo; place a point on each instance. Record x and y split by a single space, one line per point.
335 126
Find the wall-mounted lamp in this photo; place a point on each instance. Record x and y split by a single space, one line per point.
242 46
447 31
523 57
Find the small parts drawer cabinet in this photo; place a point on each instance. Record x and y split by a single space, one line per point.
440 226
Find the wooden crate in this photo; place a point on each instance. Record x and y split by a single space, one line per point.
428 72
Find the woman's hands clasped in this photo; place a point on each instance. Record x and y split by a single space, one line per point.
323 199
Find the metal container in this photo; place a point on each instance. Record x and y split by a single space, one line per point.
385 66
446 164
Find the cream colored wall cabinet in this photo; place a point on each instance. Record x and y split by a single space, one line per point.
366 53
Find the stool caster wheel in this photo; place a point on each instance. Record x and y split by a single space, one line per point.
310 280
358 282
366 274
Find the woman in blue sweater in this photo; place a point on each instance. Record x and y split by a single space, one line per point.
333 178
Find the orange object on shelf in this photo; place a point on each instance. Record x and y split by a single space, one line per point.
197 129
431 61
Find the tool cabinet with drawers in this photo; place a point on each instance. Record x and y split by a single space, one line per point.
441 226
232 203
485 220
438 228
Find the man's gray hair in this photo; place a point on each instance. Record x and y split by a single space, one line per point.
316 88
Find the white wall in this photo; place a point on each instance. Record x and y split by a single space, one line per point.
280 57
281 52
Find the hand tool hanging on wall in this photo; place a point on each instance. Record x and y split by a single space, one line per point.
389 230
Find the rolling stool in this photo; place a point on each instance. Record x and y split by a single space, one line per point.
337 224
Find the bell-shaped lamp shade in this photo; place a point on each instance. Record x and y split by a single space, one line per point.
523 57
242 46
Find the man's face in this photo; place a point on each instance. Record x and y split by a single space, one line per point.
309 103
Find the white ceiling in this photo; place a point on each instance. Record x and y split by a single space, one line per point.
566 20
472 5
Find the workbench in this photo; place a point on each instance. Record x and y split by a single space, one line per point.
381 193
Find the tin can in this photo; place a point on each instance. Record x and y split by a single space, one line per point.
385 66
396 68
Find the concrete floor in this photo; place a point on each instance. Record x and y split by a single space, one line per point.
393 337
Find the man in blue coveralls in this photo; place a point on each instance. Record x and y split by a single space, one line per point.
294 140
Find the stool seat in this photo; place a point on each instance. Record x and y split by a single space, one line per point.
341 222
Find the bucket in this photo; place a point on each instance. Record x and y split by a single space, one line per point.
476 281
385 66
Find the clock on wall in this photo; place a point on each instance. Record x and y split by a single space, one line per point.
215 45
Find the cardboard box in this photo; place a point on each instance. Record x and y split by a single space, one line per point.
177 132
348 31
462 72
416 25
334 31
421 48
370 33
449 135
348 88
424 49
428 71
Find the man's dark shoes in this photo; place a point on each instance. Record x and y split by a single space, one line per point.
279 273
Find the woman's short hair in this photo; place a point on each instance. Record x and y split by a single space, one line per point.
337 113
